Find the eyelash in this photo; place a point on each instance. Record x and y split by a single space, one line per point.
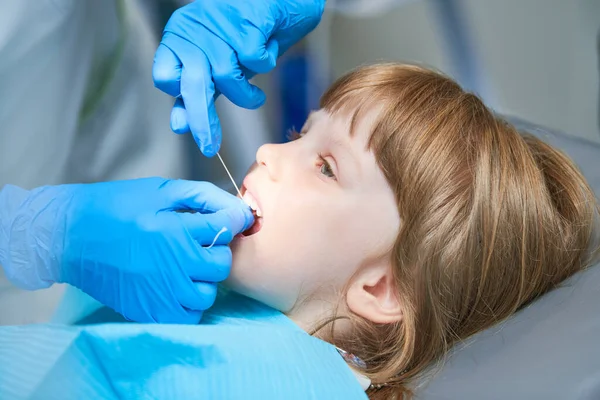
293 134
328 172
326 164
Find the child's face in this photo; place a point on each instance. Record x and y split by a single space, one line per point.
327 210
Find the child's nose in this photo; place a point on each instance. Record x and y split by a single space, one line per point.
268 156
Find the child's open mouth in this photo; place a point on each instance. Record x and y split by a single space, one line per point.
255 226
256 211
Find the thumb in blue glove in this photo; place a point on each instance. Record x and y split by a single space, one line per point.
126 244
216 46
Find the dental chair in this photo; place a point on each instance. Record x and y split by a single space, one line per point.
550 349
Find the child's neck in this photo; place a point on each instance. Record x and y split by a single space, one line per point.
316 318
314 315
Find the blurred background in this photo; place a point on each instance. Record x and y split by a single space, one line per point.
533 59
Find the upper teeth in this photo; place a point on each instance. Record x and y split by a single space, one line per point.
251 201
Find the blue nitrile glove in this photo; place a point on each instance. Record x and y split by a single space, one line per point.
215 46
123 243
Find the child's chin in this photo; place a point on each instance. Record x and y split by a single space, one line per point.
235 284
236 245
241 266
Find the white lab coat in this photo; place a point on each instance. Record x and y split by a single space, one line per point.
77 104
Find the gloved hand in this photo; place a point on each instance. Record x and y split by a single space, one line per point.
123 243
215 46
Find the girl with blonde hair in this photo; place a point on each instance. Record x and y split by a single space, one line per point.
407 217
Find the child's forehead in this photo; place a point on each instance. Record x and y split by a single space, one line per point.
350 120
353 124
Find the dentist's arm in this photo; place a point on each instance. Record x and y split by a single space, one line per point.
124 243
216 46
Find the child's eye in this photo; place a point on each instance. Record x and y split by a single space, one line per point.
326 168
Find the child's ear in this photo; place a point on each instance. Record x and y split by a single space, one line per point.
373 295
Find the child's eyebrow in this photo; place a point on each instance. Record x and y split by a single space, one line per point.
341 142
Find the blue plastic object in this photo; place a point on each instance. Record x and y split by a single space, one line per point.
242 350
124 243
215 46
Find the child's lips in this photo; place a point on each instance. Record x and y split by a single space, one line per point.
255 228
249 199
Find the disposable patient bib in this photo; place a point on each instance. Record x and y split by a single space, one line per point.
241 350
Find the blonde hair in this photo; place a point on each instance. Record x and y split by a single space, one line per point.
490 219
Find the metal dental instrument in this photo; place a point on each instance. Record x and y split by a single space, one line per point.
230 177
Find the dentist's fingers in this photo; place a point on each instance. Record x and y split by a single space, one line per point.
179 122
198 297
254 53
220 259
166 71
197 91
204 197
217 228
229 78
